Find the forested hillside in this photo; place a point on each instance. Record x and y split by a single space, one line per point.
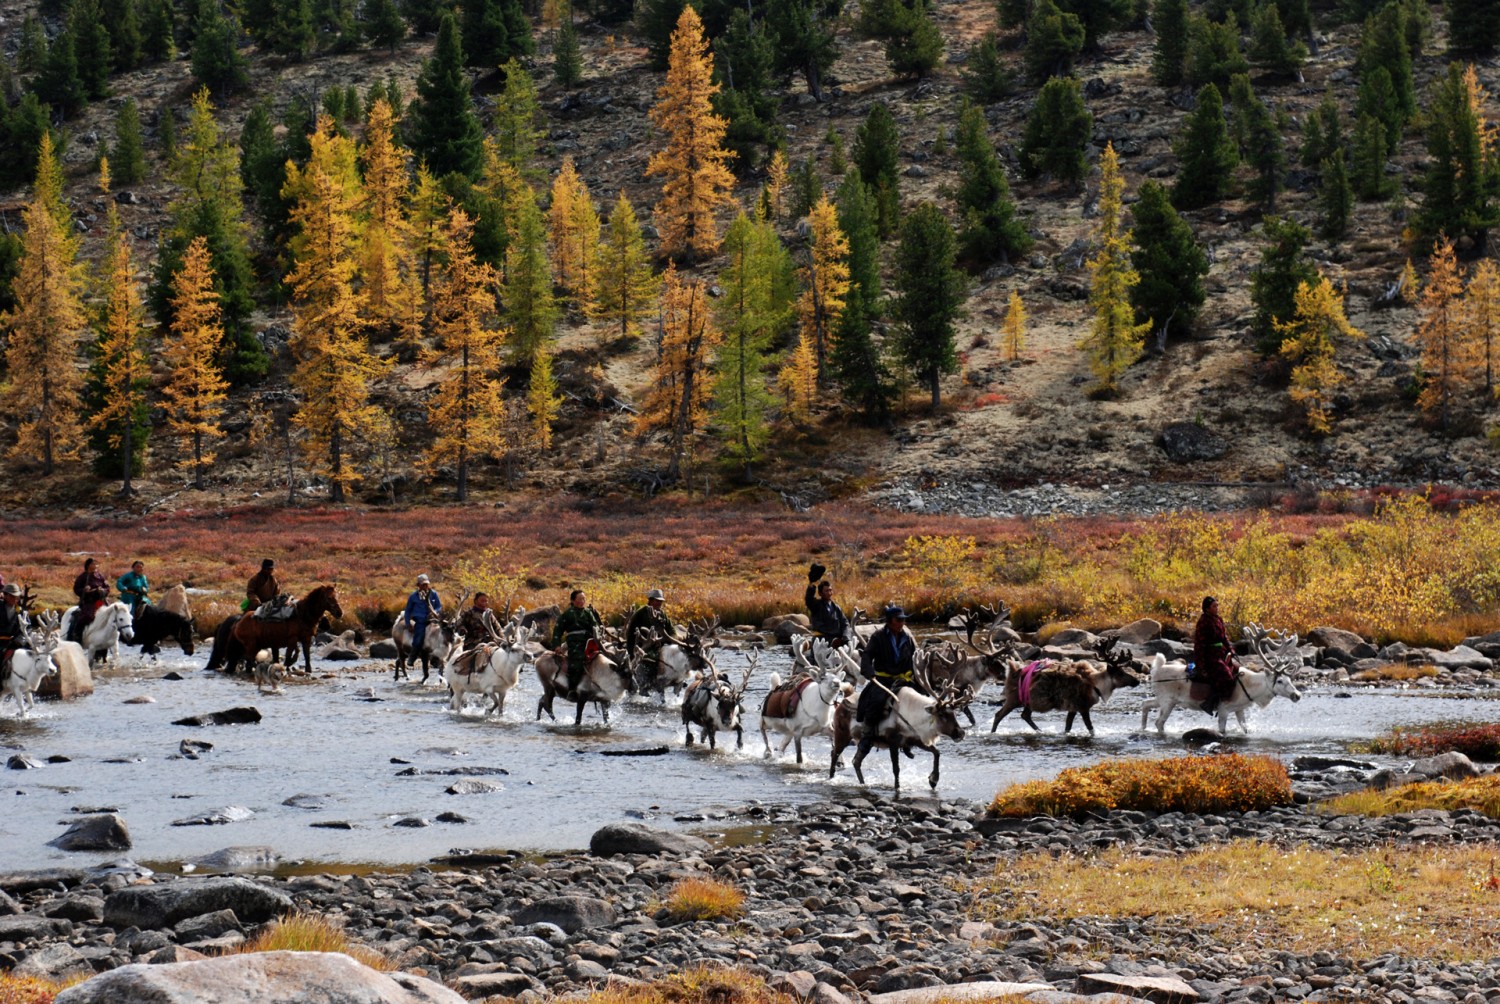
402 252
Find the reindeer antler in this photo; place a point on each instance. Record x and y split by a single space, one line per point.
752 658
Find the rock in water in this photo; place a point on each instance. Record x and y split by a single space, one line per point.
382 650
472 787
284 977
166 903
22 762
633 838
232 716
239 859
218 817
571 913
106 832
73 678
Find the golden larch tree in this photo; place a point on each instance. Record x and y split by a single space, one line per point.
1482 318
44 392
1014 326
542 399
825 283
1447 357
798 381
467 413
1309 343
574 225
694 162
334 366
386 273
680 391
194 390
625 288
774 195
1114 340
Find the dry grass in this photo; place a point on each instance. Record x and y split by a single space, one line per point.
704 899
1479 741
1229 783
29 990
1395 672
1478 793
704 984
303 932
1421 902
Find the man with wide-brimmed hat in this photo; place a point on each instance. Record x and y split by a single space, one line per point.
649 629
827 620
421 606
888 664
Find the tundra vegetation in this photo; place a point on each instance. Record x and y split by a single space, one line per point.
1479 741
703 899
1482 794
1230 783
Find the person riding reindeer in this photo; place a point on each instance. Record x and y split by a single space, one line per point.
12 627
575 629
649 629
888 663
827 620
1213 654
422 606
476 625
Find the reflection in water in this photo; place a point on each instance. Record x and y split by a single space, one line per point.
348 739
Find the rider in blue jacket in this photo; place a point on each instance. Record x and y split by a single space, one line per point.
420 607
133 588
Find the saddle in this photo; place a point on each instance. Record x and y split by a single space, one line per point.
470 658
783 701
280 609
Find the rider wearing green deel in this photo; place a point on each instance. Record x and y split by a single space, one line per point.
577 626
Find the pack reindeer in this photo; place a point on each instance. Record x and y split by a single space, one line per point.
913 720
490 669
1073 686
712 703
677 659
951 666
1173 686
809 651
29 666
437 643
801 707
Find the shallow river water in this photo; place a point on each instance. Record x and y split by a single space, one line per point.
339 738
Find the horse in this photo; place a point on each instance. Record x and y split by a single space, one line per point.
156 624
226 653
1172 686
112 624
253 634
27 668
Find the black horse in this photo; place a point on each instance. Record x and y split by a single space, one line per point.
227 653
154 625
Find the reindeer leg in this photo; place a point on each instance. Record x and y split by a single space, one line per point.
896 765
739 737
833 762
970 716
578 719
689 736
1026 717
604 710
859 758
1162 714
709 735
932 779
1244 727
765 738
1005 709
799 751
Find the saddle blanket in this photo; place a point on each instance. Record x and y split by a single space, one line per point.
783 701
279 609
1028 674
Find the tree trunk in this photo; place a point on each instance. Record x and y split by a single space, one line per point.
463 474
198 460
125 488
336 488
936 377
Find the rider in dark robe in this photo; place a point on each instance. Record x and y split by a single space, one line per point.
12 630
888 663
92 589
576 626
262 587
649 629
1213 654
827 620
474 625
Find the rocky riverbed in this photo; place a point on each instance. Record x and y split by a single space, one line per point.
852 897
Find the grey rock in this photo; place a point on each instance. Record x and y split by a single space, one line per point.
1186 442
105 832
175 953
1461 657
1139 632
33 927
481 985
1160 989
572 913
468 786
217 817
1332 637
635 838
20 883
166 903
1073 636
54 962
1453 765
209 925
957 992
231 716
382 650
80 909
239 859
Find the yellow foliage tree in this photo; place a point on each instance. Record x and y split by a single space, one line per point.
575 235
825 284
1482 318
1308 342
1014 326
694 160
625 288
430 207
1114 340
467 414
390 302
542 399
798 381
679 395
194 390
775 192
1447 356
45 382
334 366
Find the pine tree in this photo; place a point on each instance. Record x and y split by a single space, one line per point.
530 309
24 127
44 328
1369 157
1383 45
1206 154
1057 133
1322 133
1481 319
194 392
697 182
445 133
1099 17
1270 50
574 225
825 283
128 160
743 64
1053 41
217 63
857 363
1474 26
987 77
798 382
518 118
679 395
1014 326
917 47
289 30
159 31
486 37
1377 100
467 416
1274 281
1307 342
805 188
1336 198
1262 142
657 19
930 298
567 61
31 56
542 399
876 147
123 21
1170 19
334 367
386 270
1169 262
58 83
803 40
1447 355
754 309
1214 51
384 25
119 373
1115 340
91 47
625 289
990 231
1460 181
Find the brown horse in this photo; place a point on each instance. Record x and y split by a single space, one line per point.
254 634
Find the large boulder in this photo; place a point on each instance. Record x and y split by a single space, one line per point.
1462 657
230 716
1185 442
787 626
103 832
634 838
73 679
54 962
1072 636
571 913
163 905
382 650
1452 765
1139 632
283 977
1332 637
984 990
1161 989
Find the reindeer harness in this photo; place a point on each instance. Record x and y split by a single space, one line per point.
783 701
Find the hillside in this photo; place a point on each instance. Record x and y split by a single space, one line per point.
1002 424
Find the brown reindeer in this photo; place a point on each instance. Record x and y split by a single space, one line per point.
914 720
949 665
1074 686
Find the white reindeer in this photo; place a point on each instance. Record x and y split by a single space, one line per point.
1170 682
802 708
29 666
489 670
112 624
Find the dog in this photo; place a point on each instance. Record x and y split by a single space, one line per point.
268 674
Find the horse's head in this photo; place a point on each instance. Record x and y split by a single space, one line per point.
124 623
185 634
325 599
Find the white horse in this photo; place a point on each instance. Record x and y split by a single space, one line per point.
112 624
804 707
27 669
1172 687
492 669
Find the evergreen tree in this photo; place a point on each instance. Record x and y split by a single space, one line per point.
987 77
445 132
1214 51
194 393
1057 133
1322 133
289 32
1098 17
567 61
23 128
1274 281
1383 45
1053 41
754 309
159 31
625 289
990 231
1307 342
424 16
1447 354
31 56
1115 341
91 47
930 297
217 63
518 118
1260 136
917 47
526 291
1335 198
1377 100
384 25
1473 26
1296 18
1417 19
1169 57
1460 180
263 172
743 61
1169 262
1368 160
1014 326
678 398
1270 49
803 40
825 284
486 39
1206 154
58 83
128 161
804 189
876 147
1012 12
657 19
857 363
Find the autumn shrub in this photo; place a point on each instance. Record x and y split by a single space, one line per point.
702 984
27 990
1479 793
301 932
1395 672
704 899
1479 741
1204 784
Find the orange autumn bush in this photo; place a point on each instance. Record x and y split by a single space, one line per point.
1203 784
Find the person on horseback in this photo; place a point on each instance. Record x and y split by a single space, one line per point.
888 665
262 587
1213 654
12 628
92 590
577 627
421 606
649 629
474 625
133 587
827 620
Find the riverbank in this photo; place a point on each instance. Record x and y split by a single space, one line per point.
858 895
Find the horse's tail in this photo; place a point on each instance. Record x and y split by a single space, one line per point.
223 639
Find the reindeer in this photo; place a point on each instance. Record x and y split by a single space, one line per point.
950 666
677 659
1173 686
606 678
1071 686
28 666
437 643
809 651
913 720
711 703
490 669
801 707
